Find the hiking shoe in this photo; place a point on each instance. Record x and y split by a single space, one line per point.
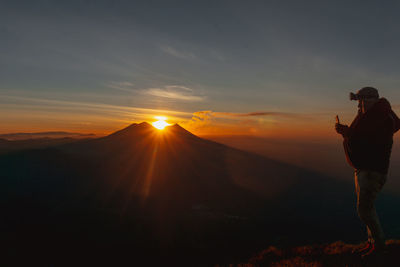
374 251
363 248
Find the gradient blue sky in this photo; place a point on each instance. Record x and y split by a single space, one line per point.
248 67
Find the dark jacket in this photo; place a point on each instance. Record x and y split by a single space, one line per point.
368 142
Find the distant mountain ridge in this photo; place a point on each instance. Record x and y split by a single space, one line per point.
55 134
7 146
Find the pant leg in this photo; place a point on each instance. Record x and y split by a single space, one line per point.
357 189
370 238
368 185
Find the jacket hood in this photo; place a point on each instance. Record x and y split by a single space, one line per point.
382 105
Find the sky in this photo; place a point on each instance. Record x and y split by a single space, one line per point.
263 68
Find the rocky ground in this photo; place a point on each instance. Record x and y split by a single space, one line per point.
334 254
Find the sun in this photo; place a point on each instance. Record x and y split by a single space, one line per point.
161 123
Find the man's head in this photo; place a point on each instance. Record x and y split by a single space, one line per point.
366 96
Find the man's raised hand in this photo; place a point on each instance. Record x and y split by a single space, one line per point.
341 129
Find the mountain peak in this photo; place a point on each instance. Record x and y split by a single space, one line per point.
145 128
143 124
176 125
134 129
176 128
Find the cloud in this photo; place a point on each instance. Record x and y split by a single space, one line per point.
176 92
54 104
200 119
179 54
253 123
217 55
206 116
259 113
123 86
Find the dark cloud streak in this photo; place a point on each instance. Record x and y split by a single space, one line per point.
259 113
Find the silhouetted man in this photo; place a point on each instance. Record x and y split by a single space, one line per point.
368 144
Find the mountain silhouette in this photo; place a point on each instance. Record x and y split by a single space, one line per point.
163 196
175 163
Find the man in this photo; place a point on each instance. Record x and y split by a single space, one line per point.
368 144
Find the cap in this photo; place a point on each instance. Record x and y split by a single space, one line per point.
365 92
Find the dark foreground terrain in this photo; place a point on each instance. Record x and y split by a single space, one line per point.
140 197
334 254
